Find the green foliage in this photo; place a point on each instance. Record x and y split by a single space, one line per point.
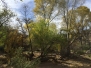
46 8
89 55
43 34
80 52
18 61
5 16
3 34
85 47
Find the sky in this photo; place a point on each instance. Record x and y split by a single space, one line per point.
15 5
88 4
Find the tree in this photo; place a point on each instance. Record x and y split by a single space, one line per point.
5 16
42 36
4 3
47 8
27 19
69 5
76 25
3 35
13 41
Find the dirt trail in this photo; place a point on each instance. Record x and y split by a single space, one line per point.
65 64
78 62
83 61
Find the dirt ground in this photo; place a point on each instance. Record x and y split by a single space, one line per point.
77 62
83 61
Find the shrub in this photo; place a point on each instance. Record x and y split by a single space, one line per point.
80 52
18 61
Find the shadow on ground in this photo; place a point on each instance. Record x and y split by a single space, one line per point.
73 62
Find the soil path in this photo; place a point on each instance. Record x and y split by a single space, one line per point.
77 62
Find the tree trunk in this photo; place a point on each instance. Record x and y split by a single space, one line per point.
65 51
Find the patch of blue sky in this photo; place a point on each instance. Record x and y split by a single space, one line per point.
16 5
